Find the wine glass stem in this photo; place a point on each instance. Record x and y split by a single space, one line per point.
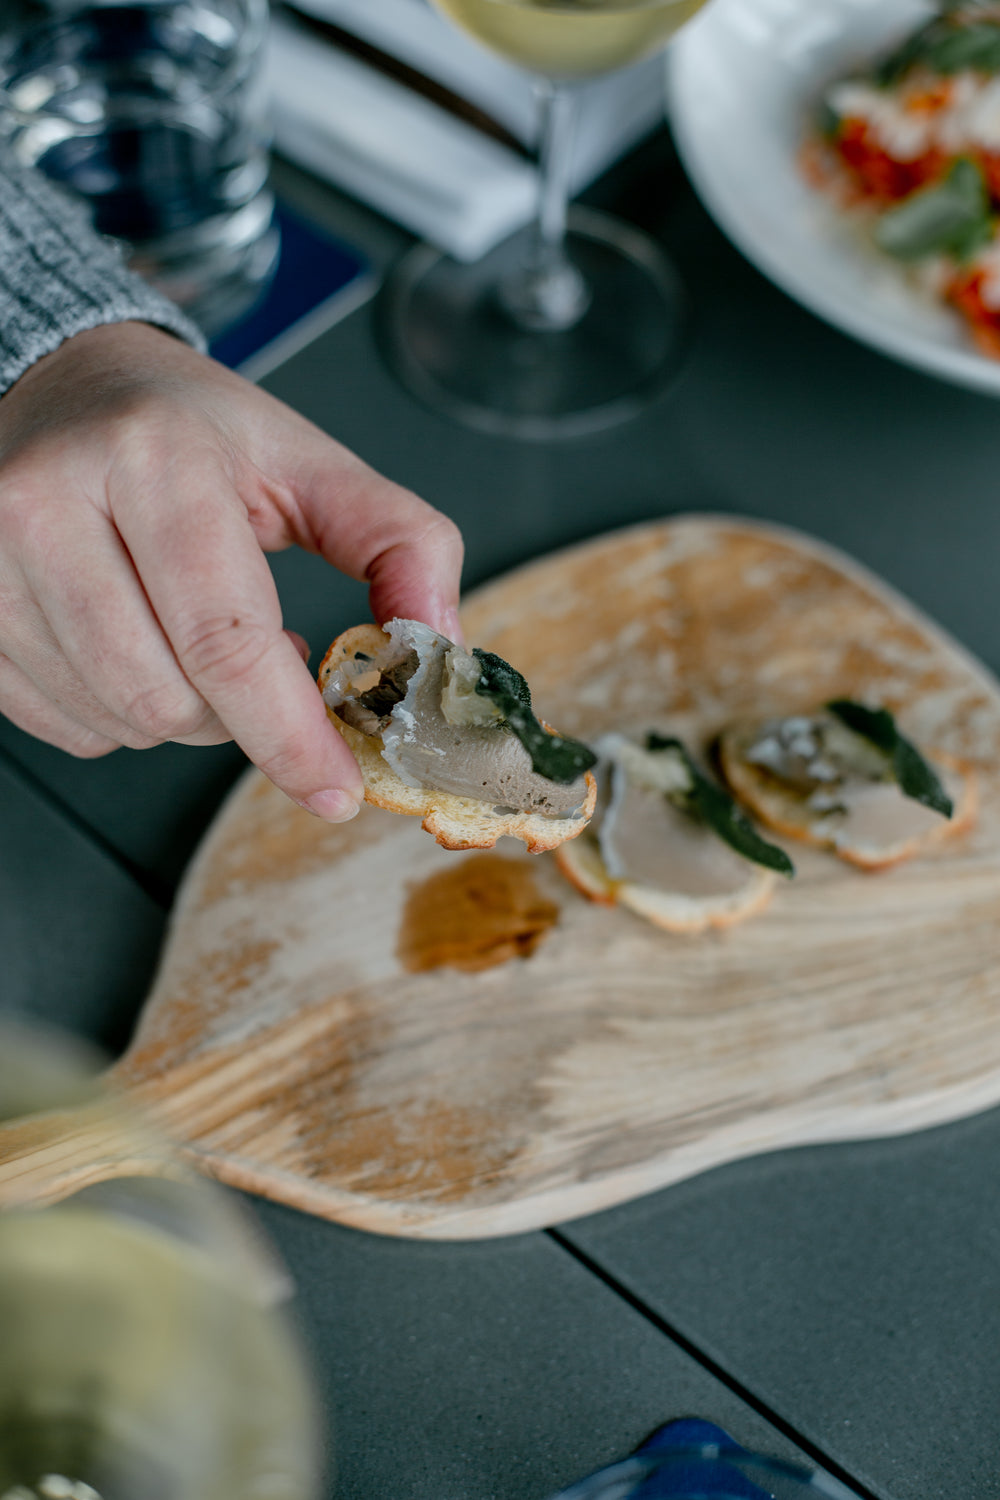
548 292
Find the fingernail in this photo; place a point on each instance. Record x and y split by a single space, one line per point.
333 805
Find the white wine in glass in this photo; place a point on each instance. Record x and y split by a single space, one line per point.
135 1365
577 321
145 1347
571 38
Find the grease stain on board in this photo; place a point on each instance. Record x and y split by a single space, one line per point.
483 911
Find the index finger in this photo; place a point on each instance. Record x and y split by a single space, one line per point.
209 585
373 529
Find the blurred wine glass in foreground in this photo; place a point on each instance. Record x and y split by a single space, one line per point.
144 1346
577 321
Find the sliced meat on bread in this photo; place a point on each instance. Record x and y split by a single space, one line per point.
650 849
811 777
432 742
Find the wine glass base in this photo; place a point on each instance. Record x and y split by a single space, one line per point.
450 342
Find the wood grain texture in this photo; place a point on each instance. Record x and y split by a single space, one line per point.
51 1155
288 1044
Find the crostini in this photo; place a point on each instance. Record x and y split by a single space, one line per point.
844 778
668 843
449 735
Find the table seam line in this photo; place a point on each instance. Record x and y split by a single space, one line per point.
711 1365
157 890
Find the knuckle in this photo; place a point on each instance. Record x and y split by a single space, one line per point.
420 528
144 439
133 740
38 715
165 711
78 740
223 649
17 491
420 512
87 744
212 732
27 523
444 533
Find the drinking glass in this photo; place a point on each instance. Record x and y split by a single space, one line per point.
154 111
706 1472
577 321
145 1346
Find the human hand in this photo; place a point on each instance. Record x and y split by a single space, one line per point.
140 485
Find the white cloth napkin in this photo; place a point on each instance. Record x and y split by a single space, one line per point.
410 158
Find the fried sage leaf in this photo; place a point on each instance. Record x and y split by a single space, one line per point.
911 772
552 755
714 806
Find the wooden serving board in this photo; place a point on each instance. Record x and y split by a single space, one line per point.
294 1042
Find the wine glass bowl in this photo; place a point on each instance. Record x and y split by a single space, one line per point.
578 321
146 1348
571 40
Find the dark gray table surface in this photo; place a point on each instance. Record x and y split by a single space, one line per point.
840 1301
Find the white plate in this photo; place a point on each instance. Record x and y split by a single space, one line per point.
742 79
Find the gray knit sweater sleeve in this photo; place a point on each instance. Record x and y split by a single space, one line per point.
58 276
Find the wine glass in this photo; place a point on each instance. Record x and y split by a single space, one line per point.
145 1347
577 321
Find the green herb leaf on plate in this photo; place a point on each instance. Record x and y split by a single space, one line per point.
945 46
553 756
899 62
953 216
714 806
912 774
976 46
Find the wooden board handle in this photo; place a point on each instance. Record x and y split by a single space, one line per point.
49 1156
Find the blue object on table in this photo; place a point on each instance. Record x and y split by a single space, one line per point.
698 1474
688 1432
685 1458
318 280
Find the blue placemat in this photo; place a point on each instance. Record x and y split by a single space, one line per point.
318 280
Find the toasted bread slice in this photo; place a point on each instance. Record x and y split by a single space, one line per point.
456 822
583 866
872 837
